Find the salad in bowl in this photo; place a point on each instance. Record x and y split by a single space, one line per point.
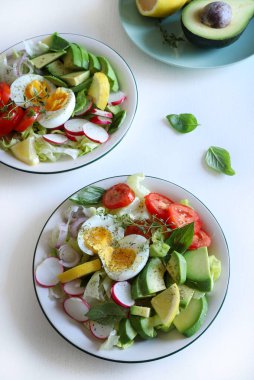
129 262
63 99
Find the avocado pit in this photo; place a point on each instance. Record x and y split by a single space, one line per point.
217 14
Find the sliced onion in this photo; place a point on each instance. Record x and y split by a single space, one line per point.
62 234
68 256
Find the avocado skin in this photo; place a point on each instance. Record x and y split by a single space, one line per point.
205 42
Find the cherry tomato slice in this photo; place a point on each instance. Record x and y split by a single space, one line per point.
180 215
158 204
200 239
9 119
29 117
120 195
5 93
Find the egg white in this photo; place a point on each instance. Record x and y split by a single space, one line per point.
105 221
19 85
141 245
136 210
53 119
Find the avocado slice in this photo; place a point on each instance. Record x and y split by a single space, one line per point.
151 278
126 332
166 304
57 68
107 69
76 78
56 81
198 270
55 42
72 59
44 59
143 327
94 63
177 268
206 36
189 320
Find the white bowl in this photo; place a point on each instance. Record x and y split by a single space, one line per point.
127 85
164 344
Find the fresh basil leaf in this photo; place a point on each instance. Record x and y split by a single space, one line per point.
219 159
88 196
117 121
106 313
183 123
181 238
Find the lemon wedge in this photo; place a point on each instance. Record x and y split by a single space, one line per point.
99 90
159 8
80 270
166 304
25 151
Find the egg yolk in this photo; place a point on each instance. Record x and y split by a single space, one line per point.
37 91
56 100
118 259
97 238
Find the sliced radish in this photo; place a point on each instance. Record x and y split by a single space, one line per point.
116 98
71 137
100 331
76 308
100 120
98 112
121 294
73 288
59 128
68 256
85 109
55 138
75 126
95 133
47 271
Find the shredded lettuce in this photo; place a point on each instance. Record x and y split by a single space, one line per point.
34 48
134 181
6 70
95 288
111 341
48 152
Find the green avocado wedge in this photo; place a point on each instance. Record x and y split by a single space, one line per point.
189 320
198 270
206 36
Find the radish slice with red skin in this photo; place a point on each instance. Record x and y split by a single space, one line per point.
100 120
98 112
68 256
85 109
100 331
55 138
75 126
95 133
73 288
76 308
47 271
121 294
116 98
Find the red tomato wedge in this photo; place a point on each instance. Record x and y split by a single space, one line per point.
200 239
134 229
158 204
9 119
120 195
29 117
180 215
5 93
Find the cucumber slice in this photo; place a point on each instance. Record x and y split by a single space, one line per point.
126 332
189 321
177 268
151 278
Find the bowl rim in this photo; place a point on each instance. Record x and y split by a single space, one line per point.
29 169
144 360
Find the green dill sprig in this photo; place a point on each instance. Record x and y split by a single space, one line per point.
170 39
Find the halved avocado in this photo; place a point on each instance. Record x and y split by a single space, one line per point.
206 36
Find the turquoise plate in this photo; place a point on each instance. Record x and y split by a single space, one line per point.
145 34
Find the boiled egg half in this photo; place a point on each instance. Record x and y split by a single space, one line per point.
57 104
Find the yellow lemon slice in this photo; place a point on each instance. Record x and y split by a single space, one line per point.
25 151
80 270
159 8
99 90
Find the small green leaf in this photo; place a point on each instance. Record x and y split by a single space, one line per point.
106 313
181 238
183 123
219 159
88 196
117 121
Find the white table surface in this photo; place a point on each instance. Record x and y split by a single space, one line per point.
222 100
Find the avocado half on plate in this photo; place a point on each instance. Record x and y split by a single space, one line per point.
215 24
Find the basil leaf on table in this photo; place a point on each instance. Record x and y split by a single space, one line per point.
106 313
219 159
183 123
88 196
